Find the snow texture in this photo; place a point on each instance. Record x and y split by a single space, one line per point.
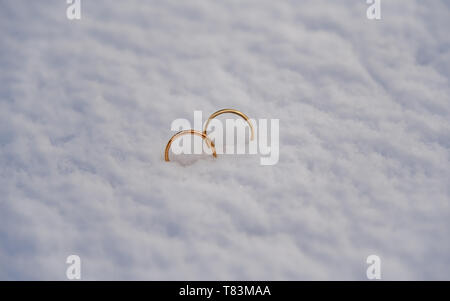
85 113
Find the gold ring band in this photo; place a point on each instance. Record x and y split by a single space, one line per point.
214 115
189 132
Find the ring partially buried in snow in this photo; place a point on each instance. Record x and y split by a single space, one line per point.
232 111
189 132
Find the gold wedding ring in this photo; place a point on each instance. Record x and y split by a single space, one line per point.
189 132
232 111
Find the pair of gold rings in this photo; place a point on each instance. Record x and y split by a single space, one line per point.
204 133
